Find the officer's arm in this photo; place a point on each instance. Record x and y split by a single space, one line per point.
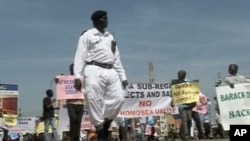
118 66
80 56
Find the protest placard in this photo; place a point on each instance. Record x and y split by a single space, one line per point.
65 88
187 92
24 125
10 120
202 105
146 99
234 104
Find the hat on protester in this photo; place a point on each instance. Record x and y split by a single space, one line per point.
98 14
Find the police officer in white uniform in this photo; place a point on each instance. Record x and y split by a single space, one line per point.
98 58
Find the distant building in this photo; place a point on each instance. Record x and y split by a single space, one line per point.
8 99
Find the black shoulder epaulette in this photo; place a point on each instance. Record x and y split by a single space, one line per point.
83 32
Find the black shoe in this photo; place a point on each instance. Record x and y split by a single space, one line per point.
210 137
100 134
106 126
107 123
201 137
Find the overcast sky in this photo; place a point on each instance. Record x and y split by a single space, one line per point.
38 40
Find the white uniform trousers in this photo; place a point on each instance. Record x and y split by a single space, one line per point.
103 93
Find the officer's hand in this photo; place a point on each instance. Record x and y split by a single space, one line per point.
124 84
78 84
113 46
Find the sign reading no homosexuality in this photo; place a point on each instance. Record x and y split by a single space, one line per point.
146 99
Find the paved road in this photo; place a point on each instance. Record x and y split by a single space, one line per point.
202 140
208 140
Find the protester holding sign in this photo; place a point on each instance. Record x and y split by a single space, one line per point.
75 112
185 102
227 112
233 77
200 108
75 108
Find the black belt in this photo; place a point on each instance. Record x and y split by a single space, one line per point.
103 65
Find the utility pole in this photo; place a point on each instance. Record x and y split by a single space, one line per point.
151 72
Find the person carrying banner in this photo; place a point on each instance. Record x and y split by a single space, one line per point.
75 109
233 76
98 58
231 79
48 115
185 110
197 121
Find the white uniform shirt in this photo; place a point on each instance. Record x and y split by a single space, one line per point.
95 46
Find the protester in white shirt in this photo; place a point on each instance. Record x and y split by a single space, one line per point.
233 76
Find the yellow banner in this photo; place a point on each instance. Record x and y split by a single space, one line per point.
40 127
185 93
10 120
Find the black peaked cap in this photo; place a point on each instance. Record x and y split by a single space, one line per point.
98 14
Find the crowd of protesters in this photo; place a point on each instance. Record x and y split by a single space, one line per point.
198 126
104 82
